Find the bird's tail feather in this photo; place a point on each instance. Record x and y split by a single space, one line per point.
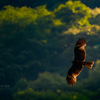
88 64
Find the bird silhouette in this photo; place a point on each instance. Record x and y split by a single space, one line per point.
78 62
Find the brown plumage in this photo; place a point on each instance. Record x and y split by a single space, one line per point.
78 62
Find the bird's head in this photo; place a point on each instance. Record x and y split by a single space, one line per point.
81 42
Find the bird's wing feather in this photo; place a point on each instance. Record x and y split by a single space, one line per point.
81 41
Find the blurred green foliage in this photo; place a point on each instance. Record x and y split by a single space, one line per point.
36 50
29 94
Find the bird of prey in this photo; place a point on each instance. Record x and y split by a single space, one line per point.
78 62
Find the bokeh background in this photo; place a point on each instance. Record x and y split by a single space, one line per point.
37 39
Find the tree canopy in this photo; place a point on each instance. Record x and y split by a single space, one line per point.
36 50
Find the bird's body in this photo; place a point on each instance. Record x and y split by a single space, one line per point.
80 53
78 62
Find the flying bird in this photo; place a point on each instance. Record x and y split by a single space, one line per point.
78 62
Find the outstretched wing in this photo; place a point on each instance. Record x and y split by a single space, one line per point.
81 42
73 72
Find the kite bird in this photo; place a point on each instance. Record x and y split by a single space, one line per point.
78 62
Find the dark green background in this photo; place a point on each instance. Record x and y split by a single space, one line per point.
37 41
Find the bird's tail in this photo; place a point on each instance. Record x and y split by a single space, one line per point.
88 64
71 80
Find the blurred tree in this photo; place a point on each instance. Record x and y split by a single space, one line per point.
47 81
33 41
